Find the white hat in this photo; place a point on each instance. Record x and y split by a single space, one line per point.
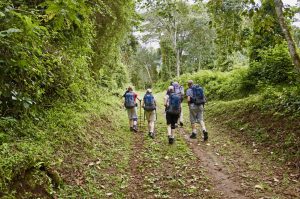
171 88
149 90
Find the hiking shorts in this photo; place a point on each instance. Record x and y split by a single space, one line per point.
132 113
196 113
172 119
150 116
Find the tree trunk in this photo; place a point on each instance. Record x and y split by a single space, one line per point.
149 74
176 50
287 34
178 62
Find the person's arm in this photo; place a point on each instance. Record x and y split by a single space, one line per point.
137 97
166 101
188 95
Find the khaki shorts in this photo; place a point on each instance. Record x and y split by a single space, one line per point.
150 116
196 113
132 113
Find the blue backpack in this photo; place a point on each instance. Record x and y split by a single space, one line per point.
174 104
129 100
149 104
198 95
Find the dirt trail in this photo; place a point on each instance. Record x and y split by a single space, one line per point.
224 167
136 177
222 181
237 171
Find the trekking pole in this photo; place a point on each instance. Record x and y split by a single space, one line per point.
140 114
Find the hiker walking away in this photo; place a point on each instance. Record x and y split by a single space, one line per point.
131 107
179 90
172 103
196 100
149 105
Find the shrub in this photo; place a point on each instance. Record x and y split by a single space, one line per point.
275 67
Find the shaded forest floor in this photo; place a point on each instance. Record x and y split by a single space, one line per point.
112 162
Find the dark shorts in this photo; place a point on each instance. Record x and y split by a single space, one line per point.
172 119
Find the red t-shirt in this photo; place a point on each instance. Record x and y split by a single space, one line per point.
134 95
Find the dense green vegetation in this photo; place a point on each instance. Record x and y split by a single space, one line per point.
54 58
59 50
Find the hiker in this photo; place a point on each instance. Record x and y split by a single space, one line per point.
196 100
131 106
172 103
178 89
149 105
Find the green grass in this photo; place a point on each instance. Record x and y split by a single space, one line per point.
253 121
171 171
52 155
85 149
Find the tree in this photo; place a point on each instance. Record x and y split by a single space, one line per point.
231 22
288 37
164 21
199 46
265 30
143 67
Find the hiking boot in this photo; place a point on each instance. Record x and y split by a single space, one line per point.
205 135
171 139
135 129
181 124
151 135
193 135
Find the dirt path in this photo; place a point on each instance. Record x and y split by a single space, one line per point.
160 170
223 167
221 179
136 178
238 171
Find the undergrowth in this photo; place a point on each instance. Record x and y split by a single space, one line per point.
37 151
256 119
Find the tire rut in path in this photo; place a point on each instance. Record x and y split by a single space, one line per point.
135 186
221 180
